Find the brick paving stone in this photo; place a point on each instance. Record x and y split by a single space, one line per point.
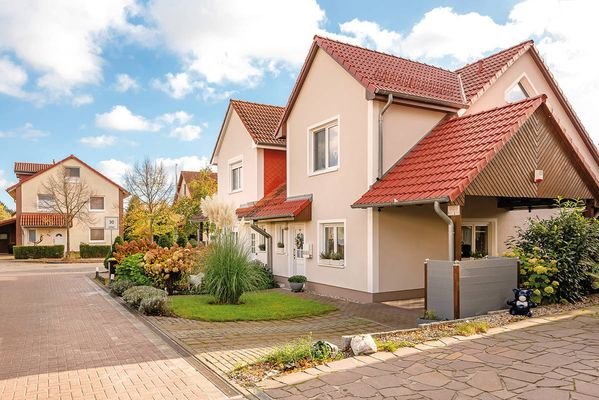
62 337
553 361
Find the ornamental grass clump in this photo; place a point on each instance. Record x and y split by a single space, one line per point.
229 272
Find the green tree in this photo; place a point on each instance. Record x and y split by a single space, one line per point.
188 207
5 212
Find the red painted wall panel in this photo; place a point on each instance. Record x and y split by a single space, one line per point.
275 169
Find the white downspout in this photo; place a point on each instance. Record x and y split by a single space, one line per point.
450 229
380 166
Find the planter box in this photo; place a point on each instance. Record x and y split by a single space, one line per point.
332 263
296 286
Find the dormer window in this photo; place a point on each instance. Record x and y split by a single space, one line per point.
516 93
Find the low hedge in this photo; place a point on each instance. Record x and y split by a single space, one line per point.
24 252
94 251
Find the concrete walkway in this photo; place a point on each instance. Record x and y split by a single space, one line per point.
555 358
62 337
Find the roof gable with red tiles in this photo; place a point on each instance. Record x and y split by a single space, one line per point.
446 161
29 167
71 157
260 120
479 75
275 205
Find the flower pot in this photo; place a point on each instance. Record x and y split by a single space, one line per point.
296 286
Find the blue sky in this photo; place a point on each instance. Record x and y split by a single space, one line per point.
115 81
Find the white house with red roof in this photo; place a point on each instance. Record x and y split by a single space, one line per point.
35 224
390 162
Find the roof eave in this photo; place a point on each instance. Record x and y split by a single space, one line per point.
402 203
452 106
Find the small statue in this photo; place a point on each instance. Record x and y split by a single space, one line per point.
522 303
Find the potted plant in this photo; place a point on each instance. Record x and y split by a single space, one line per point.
262 247
296 282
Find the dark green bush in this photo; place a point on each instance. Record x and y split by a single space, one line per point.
165 241
568 240
93 250
117 241
182 241
297 279
268 279
24 252
228 270
132 269
119 287
193 242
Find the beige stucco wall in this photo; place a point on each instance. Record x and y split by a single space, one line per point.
98 186
236 144
403 127
330 92
408 236
527 70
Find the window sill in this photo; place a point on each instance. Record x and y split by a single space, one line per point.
323 171
332 263
97 211
236 191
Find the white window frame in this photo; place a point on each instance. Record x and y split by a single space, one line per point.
29 235
39 203
73 178
234 164
491 231
321 245
97 209
97 241
282 234
326 124
253 242
525 83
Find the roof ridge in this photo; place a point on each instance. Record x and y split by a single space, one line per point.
232 100
521 44
383 53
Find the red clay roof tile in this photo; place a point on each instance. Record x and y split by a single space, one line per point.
29 167
260 120
274 205
445 162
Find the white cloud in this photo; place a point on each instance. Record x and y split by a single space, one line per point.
120 118
62 40
372 35
187 163
27 132
98 141
186 133
82 100
177 85
114 169
4 182
180 117
235 41
125 83
12 78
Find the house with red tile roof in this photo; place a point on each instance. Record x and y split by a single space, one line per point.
35 221
390 162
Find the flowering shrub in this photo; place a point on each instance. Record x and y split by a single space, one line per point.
167 267
132 247
539 274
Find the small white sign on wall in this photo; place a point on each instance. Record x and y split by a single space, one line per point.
453 211
111 223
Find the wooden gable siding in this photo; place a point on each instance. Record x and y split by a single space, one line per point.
536 146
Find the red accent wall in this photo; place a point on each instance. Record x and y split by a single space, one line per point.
275 169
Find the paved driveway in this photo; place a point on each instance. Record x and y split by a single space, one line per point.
557 360
62 337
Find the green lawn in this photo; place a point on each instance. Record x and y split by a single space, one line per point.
256 306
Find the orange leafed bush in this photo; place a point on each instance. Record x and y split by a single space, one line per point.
168 266
133 247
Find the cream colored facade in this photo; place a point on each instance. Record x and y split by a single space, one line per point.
99 186
385 249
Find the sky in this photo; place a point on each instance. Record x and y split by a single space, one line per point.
115 81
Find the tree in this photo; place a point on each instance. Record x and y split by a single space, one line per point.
149 182
137 223
188 207
68 197
5 212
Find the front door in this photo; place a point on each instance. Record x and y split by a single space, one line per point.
3 242
298 263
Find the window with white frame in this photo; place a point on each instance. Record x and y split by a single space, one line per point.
281 239
262 241
236 176
96 234
475 239
72 173
253 242
96 203
45 202
324 142
332 243
516 93
32 235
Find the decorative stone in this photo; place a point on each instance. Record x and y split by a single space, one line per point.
363 344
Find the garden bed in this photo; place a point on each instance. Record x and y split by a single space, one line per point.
256 306
390 341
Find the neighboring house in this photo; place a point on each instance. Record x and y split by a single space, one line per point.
35 224
380 149
251 160
185 189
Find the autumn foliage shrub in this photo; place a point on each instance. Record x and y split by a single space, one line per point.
132 247
169 266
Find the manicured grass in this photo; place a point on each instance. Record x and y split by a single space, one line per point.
256 306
